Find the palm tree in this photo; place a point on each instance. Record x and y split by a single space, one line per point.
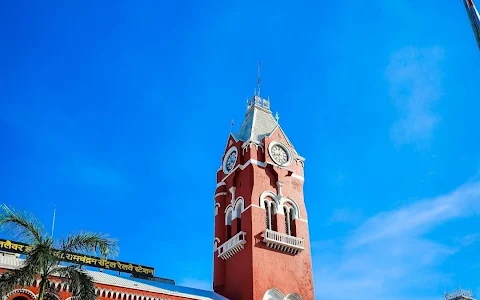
42 263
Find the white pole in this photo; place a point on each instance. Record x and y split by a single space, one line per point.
53 223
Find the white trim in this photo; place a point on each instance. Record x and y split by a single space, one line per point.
247 144
286 138
228 142
296 209
279 188
242 167
298 177
232 192
220 194
216 241
240 201
256 206
273 294
279 202
272 195
217 205
263 164
228 211
293 296
221 182
252 205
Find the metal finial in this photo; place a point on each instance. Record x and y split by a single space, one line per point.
258 80
277 116
233 123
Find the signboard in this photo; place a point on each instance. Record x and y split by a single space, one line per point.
82 259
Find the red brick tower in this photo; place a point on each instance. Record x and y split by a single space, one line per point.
262 246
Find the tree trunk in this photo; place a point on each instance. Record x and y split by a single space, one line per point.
43 285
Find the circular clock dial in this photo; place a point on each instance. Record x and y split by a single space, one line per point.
230 160
279 154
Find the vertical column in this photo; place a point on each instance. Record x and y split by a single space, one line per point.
232 191
269 215
279 189
289 230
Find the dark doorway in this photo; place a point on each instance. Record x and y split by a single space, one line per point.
20 298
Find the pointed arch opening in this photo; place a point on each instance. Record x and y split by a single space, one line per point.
239 207
270 214
289 217
273 294
293 296
229 223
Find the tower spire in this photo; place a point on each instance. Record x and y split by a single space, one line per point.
256 100
258 80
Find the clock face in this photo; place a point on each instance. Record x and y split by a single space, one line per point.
230 160
279 154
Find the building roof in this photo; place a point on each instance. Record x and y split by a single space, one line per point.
10 261
258 122
181 289
153 286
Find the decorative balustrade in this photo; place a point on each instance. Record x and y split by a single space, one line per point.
283 242
459 294
258 101
232 246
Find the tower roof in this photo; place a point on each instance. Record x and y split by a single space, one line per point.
258 122
459 294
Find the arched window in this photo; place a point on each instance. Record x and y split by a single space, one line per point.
267 215
239 218
289 213
293 296
273 294
229 225
273 219
270 219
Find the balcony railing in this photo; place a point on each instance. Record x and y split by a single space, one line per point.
232 246
283 242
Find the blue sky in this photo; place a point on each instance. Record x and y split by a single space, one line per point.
118 113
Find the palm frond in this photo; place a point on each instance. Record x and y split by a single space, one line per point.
41 258
50 296
16 278
51 293
90 242
36 263
82 286
21 225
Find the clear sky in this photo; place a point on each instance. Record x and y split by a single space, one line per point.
118 112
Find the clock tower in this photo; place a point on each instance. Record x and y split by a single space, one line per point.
261 243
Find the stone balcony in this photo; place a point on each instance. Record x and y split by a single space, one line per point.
283 242
232 246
